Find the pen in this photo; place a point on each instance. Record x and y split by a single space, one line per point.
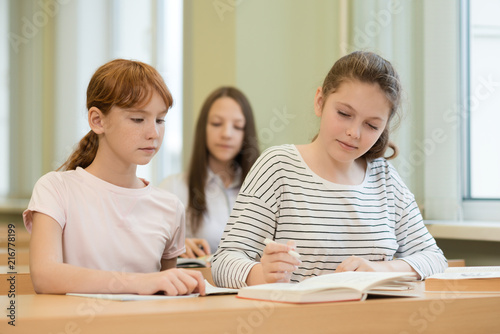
296 255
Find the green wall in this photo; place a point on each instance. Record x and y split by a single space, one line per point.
276 52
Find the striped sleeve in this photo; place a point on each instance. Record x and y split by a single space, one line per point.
417 247
252 220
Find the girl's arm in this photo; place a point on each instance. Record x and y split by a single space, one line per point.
50 275
417 253
252 220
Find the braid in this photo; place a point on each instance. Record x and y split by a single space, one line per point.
84 153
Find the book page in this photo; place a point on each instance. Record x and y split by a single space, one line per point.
396 286
214 290
360 281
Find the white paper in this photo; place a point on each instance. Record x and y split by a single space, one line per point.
210 290
468 275
473 269
128 297
214 290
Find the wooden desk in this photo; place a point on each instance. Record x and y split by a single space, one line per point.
23 282
456 263
22 256
431 313
22 236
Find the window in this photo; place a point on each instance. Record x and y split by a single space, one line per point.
155 37
59 46
4 99
482 92
170 65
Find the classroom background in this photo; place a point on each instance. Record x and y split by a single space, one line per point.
277 52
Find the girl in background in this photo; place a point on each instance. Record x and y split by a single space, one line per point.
337 201
95 226
225 147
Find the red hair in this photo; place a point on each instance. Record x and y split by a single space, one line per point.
122 83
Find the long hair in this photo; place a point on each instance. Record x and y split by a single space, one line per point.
369 67
197 173
122 83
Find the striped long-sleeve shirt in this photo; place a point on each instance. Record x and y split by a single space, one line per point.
282 199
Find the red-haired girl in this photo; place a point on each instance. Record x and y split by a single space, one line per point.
95 226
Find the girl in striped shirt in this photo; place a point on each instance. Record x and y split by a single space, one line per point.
337 201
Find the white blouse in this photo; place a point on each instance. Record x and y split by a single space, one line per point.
220 201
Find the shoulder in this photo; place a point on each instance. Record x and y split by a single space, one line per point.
280 150
57 179
380 166
381 169
51 177
273 165
276 159
53 190
281 153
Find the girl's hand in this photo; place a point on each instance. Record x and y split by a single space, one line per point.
277 264
173 282
356 263
196 248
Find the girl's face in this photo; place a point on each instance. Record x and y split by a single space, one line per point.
134 135
225 130
352 119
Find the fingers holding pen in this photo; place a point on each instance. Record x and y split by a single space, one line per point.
279 261
286 252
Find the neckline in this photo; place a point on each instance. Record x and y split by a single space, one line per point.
212 177
111 187
331 184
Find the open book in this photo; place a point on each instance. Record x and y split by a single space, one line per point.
471 279
209 291
199 262
332 287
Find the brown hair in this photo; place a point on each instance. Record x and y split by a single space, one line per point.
369 67
122 83
197 173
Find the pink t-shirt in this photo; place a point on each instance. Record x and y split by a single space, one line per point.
108 227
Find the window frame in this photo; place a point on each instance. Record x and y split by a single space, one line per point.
4 101
44 129
473 208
